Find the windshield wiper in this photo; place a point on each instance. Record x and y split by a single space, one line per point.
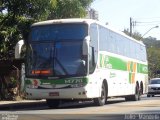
63 68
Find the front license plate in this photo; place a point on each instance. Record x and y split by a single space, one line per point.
54 94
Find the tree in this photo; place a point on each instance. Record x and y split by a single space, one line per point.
16 16
36 9
153 48
69 8
20 14
11 32
135 35
153 61
43 9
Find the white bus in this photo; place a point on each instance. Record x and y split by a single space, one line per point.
81 59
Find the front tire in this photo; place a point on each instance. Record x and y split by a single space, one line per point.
101 100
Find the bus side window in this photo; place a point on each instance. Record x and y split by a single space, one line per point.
94 40
143 53
91 60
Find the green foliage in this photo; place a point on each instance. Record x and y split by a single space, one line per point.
69 9
135 35
11 31
153 48
43 9
36 9
13 82
151 42
16 16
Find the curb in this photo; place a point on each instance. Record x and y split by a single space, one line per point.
14 105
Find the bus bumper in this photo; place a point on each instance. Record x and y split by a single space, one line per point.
69 93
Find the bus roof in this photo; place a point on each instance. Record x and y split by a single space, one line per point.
72 20
87 21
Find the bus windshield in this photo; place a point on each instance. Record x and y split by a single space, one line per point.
58 31
57 54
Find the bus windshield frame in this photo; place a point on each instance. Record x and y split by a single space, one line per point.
56 52
55 32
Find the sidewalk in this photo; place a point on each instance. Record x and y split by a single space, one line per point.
12 105
20 102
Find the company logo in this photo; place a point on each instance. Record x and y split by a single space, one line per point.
104 62
145 69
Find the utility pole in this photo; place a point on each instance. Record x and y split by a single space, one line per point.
130 26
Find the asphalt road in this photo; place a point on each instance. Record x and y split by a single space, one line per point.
115 109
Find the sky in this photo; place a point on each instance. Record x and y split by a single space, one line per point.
117 13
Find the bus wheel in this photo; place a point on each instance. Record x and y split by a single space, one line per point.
134 97
101 100
53 103
141 88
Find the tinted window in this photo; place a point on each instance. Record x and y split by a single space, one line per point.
61 59
120 41
132 49
113 42
103 38
155 81
126 47
94 40
143 53
58 31
39 58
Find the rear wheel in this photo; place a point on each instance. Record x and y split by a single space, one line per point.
134 97
101 100
141 88
53 103
137 95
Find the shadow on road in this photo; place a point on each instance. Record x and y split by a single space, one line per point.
43 106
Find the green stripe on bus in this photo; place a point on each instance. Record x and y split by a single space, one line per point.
130 77
141 68
112 63
120 64
59 81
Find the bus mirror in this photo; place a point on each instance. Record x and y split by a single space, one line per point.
18 49
85 45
